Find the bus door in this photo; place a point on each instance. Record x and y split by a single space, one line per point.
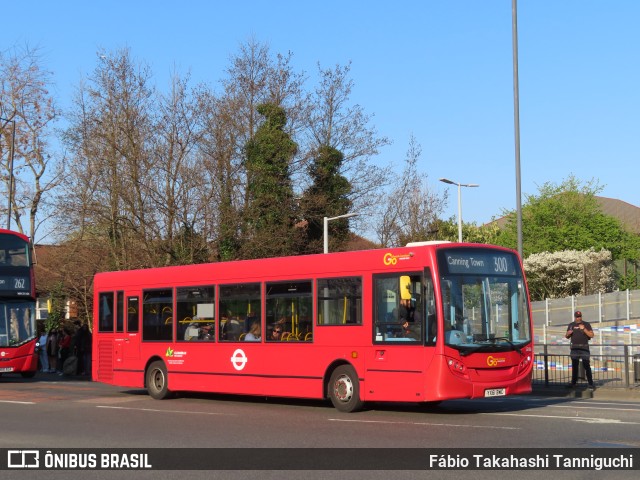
127 339
398 360
131 318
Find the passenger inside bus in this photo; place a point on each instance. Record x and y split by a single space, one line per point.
409 319
255 332
231 330
276 333
206 332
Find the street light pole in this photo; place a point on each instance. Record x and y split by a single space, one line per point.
516 120
13 145
325 228
460 185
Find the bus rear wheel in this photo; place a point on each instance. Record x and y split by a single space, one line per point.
157 384
344 389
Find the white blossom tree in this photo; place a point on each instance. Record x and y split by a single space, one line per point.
569 272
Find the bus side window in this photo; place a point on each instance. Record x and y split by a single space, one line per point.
105 312
133 305
195 313
339 301
236 304
289 308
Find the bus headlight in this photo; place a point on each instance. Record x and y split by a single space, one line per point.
524 363
457 367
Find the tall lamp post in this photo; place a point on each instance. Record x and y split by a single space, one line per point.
516 120
13 145
460 185
325 228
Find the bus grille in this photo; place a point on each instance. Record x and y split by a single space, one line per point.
105 361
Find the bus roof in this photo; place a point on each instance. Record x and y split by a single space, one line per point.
291 267
15 234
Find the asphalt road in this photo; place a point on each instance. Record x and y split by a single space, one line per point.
49 412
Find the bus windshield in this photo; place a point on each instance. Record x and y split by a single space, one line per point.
14 252
484 300
17 320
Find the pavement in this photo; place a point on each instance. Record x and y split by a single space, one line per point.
631 394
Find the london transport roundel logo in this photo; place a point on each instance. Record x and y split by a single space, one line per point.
239 359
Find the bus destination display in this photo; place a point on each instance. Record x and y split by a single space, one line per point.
480 263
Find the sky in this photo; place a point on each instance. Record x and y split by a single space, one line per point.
438 70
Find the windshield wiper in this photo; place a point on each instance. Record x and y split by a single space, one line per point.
505 339
472 349
491 343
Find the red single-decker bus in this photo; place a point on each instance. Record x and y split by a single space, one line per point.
424 323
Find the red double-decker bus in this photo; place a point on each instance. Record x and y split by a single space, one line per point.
18 339
428 322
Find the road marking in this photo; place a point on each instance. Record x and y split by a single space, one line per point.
582 402
573 419
423 424
597 408
164 411
16 401
609 403
109 400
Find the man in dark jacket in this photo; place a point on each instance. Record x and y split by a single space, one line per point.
580 332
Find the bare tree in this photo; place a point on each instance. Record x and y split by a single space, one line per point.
337 123
178 193
26 104
412 209
109 137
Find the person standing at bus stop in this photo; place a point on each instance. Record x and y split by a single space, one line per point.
580 332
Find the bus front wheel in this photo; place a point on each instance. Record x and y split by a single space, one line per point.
344 389
157 384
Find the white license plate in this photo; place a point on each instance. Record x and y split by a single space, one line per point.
495 392
6 369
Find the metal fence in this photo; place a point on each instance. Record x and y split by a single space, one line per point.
615 307
618 366
615 353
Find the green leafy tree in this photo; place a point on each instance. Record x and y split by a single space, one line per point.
188 247
269 227
57 299
472 233
327 196
568 217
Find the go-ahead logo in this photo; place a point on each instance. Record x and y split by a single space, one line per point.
494 362
23 459
391 259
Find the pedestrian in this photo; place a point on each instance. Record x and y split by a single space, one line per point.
52 350
42 352
84 348
77 342
580 332
64 349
